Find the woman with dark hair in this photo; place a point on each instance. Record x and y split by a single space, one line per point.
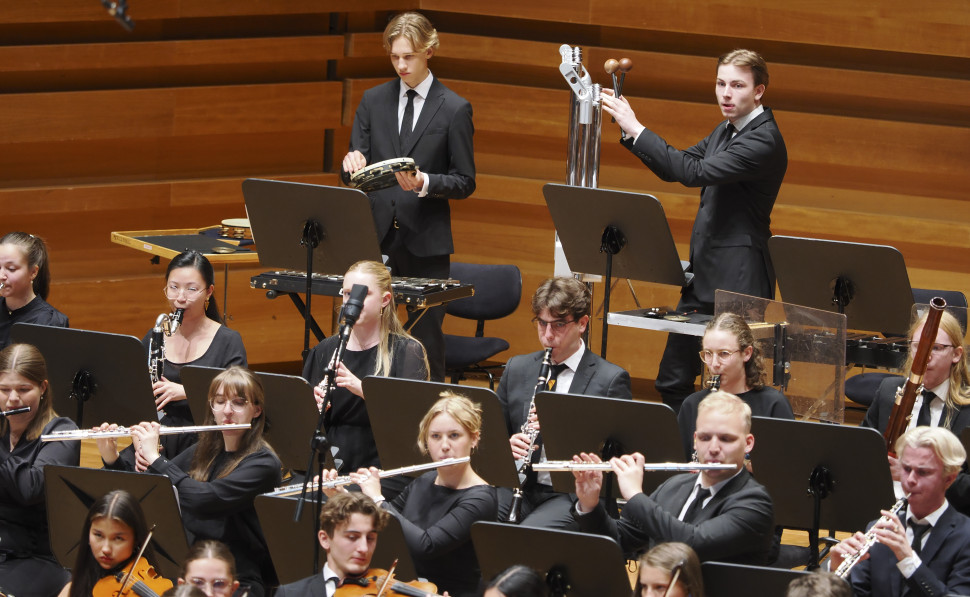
437 510
517 581
25 279
27 565
658 567
114 530
378 346
731 353
210 567
201 339
219 477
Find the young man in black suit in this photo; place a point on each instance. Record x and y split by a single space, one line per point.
724 515
930 554
561 307
349 524
416 116
739 168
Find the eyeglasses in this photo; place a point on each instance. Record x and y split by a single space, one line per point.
236 404
557 326
191 293
937 348
218 585
722 355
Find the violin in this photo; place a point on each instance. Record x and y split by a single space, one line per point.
139 577
380 582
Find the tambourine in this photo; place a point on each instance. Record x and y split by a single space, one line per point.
380 175
237 228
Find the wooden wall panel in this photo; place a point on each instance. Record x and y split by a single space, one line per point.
105 130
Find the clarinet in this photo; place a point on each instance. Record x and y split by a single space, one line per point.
522 466
165 325
870 539
715 383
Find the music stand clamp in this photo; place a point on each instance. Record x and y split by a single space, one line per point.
630 221
99 376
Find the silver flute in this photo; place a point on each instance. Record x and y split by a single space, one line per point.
554 466
79 434
288 490
870 539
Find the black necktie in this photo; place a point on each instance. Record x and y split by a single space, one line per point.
407 122
697 505
924 411
727 137
554 375
918 531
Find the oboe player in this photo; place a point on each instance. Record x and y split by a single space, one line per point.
724 515
930 554
561 310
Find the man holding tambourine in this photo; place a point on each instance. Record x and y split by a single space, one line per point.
411 151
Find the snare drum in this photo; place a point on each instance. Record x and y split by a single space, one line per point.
380 175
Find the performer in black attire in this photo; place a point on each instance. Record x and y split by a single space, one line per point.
561 307
27 565
724 515
947 383
26 278
379 346
218 478
729 351
200 340
437 510
739 168
413 219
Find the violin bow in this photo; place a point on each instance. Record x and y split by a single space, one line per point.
388 579
144 545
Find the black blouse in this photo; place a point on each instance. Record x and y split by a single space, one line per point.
437 524
23 511
36 311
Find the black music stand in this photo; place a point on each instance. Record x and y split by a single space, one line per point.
95 375
868 283
608 427
309 227
396 406
573 564
821 476
740 580
630 228
287 541
72 490
290 410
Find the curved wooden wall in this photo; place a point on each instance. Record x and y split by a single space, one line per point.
108 130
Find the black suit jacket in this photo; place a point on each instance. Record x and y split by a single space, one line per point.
595 376
945 567
728 245
877 417
311 586
441 145
737 525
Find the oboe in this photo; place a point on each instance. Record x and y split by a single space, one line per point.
165 325
14 411
715 382
870 540
79 434
289 490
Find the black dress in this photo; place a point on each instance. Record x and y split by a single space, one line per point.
437 524
36 311
225 350
27 565
347 424
222 508
766 402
